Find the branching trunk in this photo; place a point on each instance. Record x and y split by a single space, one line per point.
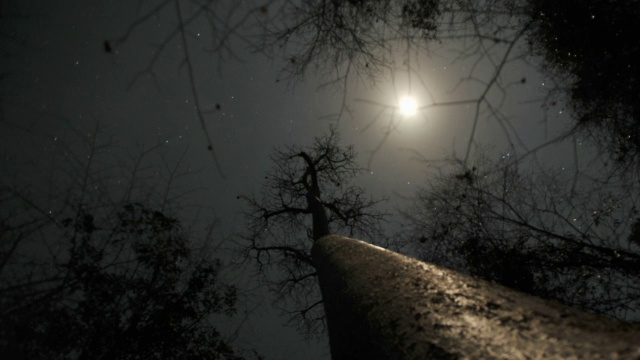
318 212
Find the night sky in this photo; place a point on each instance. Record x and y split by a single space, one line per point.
60 85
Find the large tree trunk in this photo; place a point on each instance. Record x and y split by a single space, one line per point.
382 305
319 216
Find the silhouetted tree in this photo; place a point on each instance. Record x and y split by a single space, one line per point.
307 194
329 34
588 49
341 39
132 289
93 267
593 45
588 45
534 233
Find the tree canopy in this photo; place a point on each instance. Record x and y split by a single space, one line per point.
593 45
586 48
129 291
93 266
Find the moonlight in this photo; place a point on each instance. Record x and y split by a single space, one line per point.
408 106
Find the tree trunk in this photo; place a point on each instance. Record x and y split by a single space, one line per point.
382 305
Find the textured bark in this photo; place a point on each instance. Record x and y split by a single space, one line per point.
382 305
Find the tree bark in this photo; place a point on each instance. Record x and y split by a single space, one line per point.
318 212
382 305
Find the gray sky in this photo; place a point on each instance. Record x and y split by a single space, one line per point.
58 77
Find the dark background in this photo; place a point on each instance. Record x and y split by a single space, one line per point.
60 87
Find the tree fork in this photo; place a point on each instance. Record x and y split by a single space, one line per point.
383 305
318 212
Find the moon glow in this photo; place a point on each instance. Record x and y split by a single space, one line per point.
408 106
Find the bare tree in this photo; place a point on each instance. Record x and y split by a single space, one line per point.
307 194
534 232
586 58
355 39
350 39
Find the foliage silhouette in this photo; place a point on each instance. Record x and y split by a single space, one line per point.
593 45
125 292
93 267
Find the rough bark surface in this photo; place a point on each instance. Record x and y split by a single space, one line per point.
382 305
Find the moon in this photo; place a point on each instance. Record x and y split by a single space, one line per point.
408 106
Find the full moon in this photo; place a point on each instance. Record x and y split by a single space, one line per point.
408 106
